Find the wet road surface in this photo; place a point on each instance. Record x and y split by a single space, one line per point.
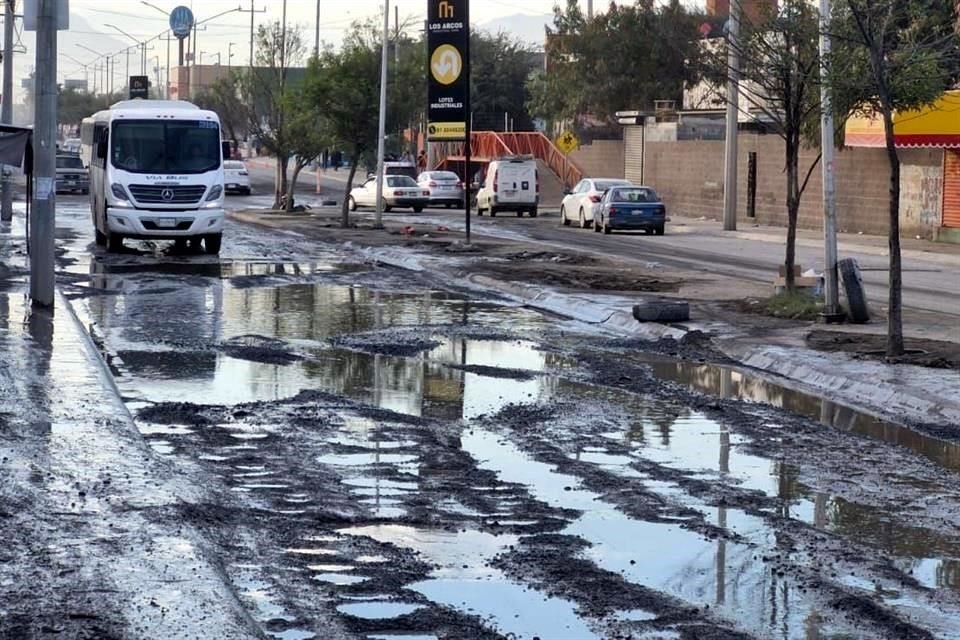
398 460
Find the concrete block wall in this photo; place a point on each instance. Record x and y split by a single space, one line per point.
600 159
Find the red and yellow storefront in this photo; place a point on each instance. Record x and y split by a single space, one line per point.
936 127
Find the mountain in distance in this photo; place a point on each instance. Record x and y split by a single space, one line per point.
526 28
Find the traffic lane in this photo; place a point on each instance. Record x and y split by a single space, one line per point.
927 285
448 473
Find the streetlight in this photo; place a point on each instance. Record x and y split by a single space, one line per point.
85 66
99 55
230 54
142 44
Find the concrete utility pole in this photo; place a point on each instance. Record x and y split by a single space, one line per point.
733 108
316 33
6 111
589 9
831 311
42 223
382 126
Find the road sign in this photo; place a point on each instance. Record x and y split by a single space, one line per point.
139 87
449 69
181 21
567 142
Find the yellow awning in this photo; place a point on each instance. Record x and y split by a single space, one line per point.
936 126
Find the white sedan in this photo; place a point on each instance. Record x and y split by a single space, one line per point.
398 191
236 178
580 203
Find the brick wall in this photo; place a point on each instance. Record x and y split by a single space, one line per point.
600 159
689 175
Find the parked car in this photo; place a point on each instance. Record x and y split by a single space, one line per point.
72 176
236 178
511 184
71 146
445 188
398 191
581 202
631 208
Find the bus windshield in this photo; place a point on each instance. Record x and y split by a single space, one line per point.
173 146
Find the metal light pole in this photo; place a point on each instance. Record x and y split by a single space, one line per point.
99 55
6 111
142 45
733 107
42 224
590 9
316 33
382 126
831 311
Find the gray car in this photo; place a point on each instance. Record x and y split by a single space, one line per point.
72 176
445 188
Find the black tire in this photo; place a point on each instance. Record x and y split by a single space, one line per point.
351 204
607 229
99 238
853 288
479 212
660 230
212 242
534 213
596 226
180 244
85 192
519 214
387 208
563 217
246 191
583 220
493 212
114 242
195 243
418 209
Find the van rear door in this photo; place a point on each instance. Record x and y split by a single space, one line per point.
517 181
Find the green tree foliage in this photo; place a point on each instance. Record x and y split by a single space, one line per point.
780 82
223 97
343 86
263 91
500 69
892 56
624 58
73 106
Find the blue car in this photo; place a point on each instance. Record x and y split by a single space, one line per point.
631 208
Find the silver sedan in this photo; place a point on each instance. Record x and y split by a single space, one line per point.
445 188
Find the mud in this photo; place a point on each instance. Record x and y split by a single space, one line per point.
577 275
920 352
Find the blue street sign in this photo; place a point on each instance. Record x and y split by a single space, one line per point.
181 21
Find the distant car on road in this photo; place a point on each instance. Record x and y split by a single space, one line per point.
511 183
444 187
71 146
631 208
236 178
582 201
398 192
72 176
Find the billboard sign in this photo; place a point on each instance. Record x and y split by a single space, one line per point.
448 75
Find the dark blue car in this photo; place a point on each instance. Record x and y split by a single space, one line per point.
631 209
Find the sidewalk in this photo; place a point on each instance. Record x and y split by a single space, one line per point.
96 543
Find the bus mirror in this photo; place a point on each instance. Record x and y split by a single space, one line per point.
227 149
102 150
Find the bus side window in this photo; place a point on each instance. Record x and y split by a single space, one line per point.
99 135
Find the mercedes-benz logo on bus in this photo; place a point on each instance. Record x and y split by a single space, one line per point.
167 195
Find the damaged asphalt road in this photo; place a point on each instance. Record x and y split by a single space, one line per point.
386 458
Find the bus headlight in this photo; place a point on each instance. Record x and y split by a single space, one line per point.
215 192
120 194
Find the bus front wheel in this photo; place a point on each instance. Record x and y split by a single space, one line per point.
212 243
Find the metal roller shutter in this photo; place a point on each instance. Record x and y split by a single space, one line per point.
951 188
633 154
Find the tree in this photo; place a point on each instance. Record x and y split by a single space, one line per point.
624 58
500 67
892 56
344 86
223 97
780 81
73 106
308 137
264 89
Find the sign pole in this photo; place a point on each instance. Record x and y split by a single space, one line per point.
468 128
382 125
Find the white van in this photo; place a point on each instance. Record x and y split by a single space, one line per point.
511 184
156 171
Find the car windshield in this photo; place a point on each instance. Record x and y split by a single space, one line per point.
447 176
634 195
69 162
179 146
400 181
603 185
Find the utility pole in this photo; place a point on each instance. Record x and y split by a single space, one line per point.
252 13
42 224
382 126
831 311
733 108
396 34
589 9
316 33
6 111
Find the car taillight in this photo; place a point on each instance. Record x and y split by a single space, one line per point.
496 187
460 185
432 184
426 193
595 198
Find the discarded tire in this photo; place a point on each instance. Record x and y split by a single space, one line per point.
662 311
853 289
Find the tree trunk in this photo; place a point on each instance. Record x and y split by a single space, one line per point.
292 187
345 212
895 303
793 208
280 183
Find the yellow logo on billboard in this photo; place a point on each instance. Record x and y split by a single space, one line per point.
445 10
567 142
447 130
446 64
